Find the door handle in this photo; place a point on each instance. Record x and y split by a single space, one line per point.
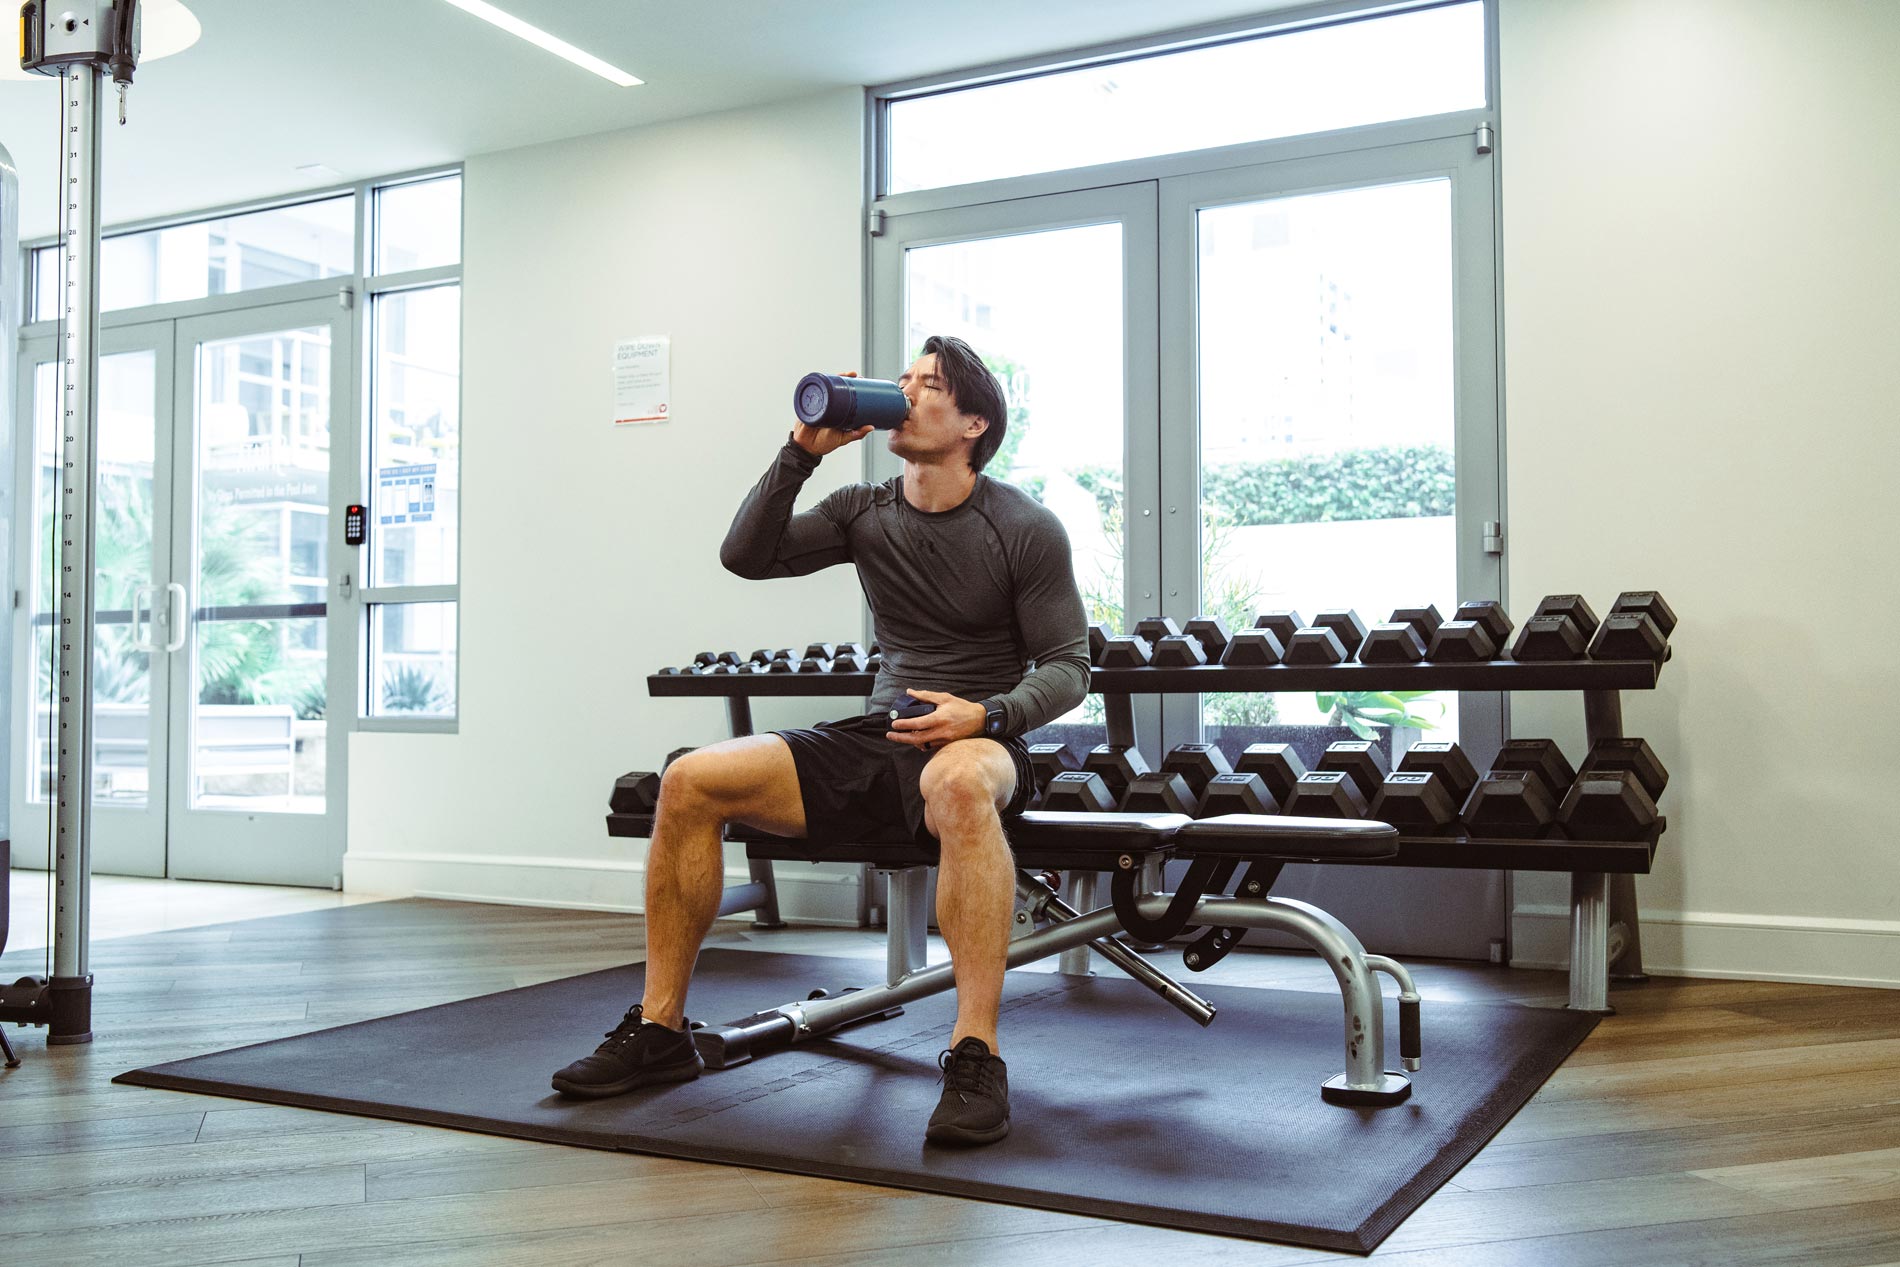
175 615
143 594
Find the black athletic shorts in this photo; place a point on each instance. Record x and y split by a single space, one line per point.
861 788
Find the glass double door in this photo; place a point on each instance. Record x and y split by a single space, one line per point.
218 642
1262 388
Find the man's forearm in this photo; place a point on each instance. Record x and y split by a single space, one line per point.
755 543
1048 691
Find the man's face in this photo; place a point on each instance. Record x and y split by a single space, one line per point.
934 427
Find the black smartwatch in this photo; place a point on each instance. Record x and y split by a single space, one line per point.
995 721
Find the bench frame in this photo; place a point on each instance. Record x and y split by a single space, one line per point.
1046 925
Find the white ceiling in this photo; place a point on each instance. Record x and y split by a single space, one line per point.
370 87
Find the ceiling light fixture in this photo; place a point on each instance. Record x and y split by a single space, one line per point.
535 35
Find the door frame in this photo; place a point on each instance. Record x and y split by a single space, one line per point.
123 841
1477 425
213 844
1163 449
1134 207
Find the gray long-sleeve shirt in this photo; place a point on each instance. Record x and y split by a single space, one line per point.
964 600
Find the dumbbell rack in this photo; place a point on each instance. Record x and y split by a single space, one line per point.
1605 938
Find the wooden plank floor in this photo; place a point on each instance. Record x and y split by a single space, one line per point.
1725 1122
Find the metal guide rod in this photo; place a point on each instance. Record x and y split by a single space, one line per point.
80 88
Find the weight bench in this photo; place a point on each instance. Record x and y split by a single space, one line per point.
1132 847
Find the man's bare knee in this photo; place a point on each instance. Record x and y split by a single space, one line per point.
687 787
962 796
751 780
963 788
961 775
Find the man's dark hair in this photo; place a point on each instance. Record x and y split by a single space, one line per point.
973 390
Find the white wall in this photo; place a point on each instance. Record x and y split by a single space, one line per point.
1702 278
590 554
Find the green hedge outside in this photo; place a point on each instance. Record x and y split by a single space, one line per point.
1392 482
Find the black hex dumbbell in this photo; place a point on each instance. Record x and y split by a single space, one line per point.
1284 624
637 792
1489 613
1508 804
1543 758
1130 651
1550 637
1423 620
1393 642
1362 761
1418 803
1198 763
1634 755
1277 764
1448 761
1213 635
1326 794
1253 647
1159 792
1046 760
1098 640
1155 628
1237 794
1345 623
1647 603
1316 644
1629 635
1117 764
1461 642
1573 606
1607 805
1179 651
1078 792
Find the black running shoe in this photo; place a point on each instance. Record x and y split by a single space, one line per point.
634 1055
975 1104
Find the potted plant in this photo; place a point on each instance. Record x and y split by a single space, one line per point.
1365 712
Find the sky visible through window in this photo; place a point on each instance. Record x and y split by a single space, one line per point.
1405 66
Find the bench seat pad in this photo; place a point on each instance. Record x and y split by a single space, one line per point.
1271 836
1038 838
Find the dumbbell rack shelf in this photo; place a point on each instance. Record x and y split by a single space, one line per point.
1490 675
1605 941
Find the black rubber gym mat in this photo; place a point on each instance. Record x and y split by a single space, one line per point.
1120 1106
